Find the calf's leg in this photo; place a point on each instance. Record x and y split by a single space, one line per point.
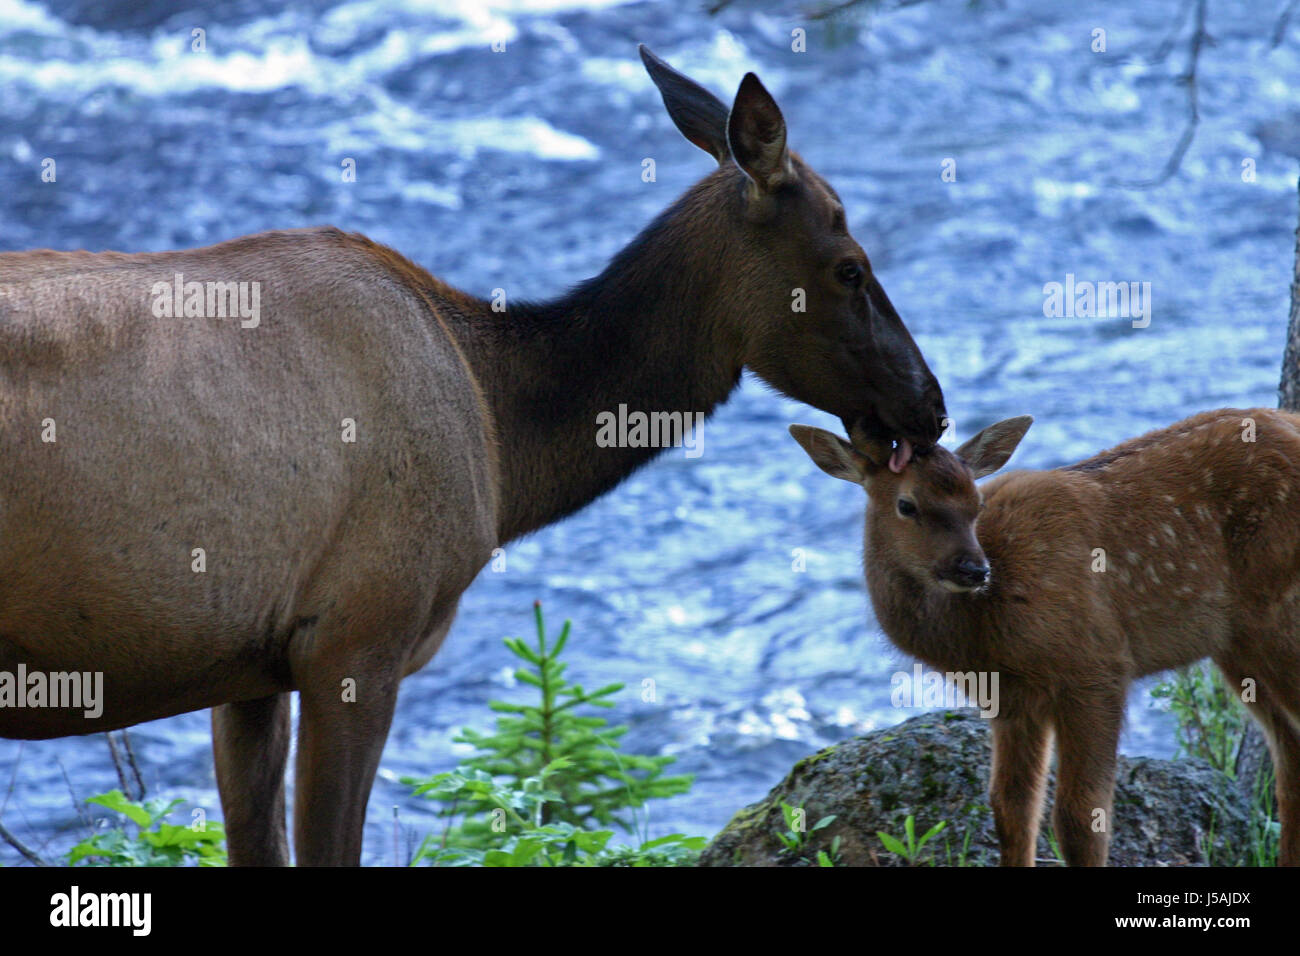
1087 732
1020 751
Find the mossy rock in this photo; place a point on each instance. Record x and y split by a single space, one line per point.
935 768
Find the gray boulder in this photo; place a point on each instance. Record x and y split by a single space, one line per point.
935 767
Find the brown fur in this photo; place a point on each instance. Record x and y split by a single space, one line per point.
1202 548
330 562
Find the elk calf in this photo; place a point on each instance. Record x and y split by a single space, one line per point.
1175 546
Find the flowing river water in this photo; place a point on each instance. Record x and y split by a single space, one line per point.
731 579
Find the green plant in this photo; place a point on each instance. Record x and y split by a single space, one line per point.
976 813
795 837
167 845
549 766
909 848
1056 847
1210 724
962 859
526 840
1207 841
673 850
1265 828
831 858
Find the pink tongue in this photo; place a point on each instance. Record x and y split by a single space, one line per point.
901 456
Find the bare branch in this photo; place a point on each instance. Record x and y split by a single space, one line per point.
6 834
135 767
78 807
117 764
13 780
22 847
1283 21
1288 391
1197 42
1161 52
835 9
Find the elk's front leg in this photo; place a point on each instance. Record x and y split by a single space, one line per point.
250 741
1020 749
1087 729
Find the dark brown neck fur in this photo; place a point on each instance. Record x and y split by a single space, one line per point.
652 331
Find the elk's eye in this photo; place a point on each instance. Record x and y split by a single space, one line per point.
849 272
906 508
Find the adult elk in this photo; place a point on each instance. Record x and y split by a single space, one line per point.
1172 547
334 565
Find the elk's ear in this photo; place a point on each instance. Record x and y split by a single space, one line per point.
832 454
989 450
756 135
700 115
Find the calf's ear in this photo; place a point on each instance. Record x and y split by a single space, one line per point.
832 454
990 449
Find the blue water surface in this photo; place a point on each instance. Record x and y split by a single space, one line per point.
524 167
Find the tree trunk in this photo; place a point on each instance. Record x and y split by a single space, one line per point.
1288 392
1253 755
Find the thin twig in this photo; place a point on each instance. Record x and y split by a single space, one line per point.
13 779
22 847
1198 40
447 829
78 807
1166 46
135 767
117 764
835 9
7 834
826 13
1283 21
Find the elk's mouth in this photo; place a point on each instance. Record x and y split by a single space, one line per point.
874 427
864 430
890 417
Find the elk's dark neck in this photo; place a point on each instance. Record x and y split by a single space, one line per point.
651 332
